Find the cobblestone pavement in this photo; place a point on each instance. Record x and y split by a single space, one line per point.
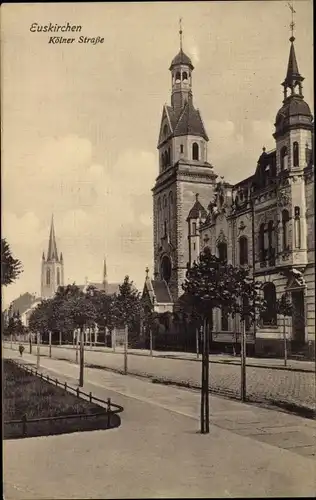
296 389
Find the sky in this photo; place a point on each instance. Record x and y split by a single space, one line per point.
80 122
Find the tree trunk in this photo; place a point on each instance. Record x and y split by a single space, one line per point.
197 342
38 351
125 350
77 345
205 380
50 343
243 345
30 340
151 341
81 357
285 342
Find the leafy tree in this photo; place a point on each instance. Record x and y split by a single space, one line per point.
213 283
41 318
127 305
11 268
284 306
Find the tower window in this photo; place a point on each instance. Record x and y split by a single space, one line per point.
58 276
48 277
184 75
284 158
195 151
194 228
295 154
285 229
178 77
181 148
297 226
165 130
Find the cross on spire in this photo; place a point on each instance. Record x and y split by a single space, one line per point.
180 32
292 24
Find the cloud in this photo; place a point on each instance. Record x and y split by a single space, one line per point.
99 209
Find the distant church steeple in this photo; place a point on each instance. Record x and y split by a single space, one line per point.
52 267
105 280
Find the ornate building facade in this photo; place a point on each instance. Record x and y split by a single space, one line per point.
265 222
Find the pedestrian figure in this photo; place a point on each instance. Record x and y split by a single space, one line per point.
21 349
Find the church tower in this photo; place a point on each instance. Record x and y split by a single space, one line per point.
183 172
52 267
294 140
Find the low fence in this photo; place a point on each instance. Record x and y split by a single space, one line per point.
108 411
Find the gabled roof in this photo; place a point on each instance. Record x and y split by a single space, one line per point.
197 210
185 121
22 303
190 122
161 291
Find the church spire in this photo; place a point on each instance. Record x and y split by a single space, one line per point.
52 247
293 79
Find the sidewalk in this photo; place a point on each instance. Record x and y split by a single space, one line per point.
278 364
158 453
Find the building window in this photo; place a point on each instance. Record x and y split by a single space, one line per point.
178 77
269 317
48 277
194 228
181 148
165 228
271 250
297 227
195 151
243 250
194 246
58 276
284 158
222 251
262 254
184 75
285 229
295 154
224 320
164 201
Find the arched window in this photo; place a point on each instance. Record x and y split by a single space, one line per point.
222 251
243 250
195 151
178 77
284 158
48 277
224 320
285 229
181 148
270 237
184 75
194 228
269 317
297 227
295 154
165 201
58 276
262 253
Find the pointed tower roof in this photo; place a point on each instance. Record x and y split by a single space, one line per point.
292 74
197 210
52 247
190 122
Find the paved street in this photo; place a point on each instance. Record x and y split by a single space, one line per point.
263 384
157 451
